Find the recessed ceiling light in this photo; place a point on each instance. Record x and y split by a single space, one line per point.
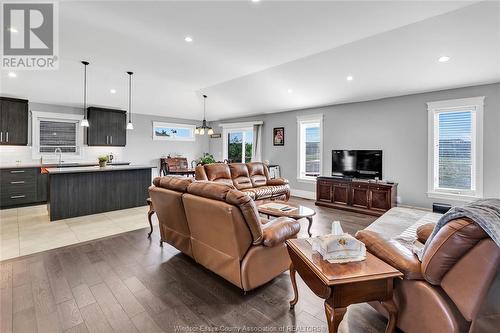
113 91
290 91
349 78
255 0
444 59
12 74
188 39
12 29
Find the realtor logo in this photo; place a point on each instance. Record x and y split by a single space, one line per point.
30 36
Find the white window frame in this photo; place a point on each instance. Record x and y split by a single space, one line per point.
228 130
37 116
190 127
301 150
476 106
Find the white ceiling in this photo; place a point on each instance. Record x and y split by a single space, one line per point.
246 56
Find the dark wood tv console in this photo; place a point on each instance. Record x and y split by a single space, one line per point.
373 198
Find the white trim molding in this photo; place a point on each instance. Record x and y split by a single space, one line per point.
475 105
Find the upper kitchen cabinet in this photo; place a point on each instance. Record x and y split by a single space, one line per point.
107 127
13 121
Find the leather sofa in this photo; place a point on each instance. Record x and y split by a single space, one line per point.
456 287
250 178
220 228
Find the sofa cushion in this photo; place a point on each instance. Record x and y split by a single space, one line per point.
228 194
239 174
258 173
277 231
211 190
259 193
448 246
279 189
179 184
218 172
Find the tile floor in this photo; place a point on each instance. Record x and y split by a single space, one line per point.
28 230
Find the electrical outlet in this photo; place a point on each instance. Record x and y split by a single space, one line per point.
398 199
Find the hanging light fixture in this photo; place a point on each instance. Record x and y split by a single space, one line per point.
130 126
84 122
201 129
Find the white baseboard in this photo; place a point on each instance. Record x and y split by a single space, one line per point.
303 194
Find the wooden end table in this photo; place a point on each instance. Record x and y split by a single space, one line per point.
341 285
298 213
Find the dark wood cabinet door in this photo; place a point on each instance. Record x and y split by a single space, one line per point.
96 134
118 128
324 191
380 198
340 194
107 127
14 122
359 196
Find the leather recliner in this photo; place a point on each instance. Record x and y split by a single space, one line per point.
455 288
250 178
220 228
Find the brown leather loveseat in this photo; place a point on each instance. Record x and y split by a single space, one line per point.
250 178
220 228
456 287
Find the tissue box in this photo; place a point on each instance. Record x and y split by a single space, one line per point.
339 247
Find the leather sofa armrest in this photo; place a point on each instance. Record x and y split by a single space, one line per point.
424 232
277 181
392 253
277 231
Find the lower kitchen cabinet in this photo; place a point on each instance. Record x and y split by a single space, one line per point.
22 186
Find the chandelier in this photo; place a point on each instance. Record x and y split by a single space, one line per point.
201 129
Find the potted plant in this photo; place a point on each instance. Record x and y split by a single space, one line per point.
206 158
103 159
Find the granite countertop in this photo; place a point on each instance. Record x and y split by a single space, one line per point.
97 168
55 165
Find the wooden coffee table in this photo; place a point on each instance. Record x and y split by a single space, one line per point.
298 213
341 285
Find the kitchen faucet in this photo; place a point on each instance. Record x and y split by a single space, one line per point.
58 150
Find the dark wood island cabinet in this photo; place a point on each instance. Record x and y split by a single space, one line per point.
90 190
374 198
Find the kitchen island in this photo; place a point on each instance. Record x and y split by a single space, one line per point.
77 191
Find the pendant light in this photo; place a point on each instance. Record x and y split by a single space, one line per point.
84 122
130 126
201 129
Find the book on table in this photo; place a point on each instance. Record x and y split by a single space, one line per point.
278 206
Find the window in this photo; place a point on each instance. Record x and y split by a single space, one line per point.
57 134
239 144
238 141
455 148
173 132
52 131
310 147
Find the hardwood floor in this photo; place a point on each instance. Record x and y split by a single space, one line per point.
127 283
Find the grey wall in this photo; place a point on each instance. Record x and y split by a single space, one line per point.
396 125
140 148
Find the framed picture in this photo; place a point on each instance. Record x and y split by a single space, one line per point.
278 136
173 132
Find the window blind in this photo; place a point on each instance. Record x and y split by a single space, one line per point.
455 162
58 134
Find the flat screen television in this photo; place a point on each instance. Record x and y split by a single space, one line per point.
365 164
